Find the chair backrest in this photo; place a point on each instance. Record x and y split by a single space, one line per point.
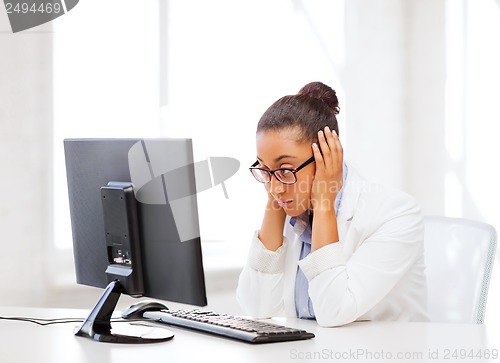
459 255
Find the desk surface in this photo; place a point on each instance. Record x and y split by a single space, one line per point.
357 342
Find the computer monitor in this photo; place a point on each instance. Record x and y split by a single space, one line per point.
134 221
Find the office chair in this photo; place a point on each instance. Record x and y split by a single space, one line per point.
459 255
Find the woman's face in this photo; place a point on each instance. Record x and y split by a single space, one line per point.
280 149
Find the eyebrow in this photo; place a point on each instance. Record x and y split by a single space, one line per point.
279 158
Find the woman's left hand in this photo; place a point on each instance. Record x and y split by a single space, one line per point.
328 178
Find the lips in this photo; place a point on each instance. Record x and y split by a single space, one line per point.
284 203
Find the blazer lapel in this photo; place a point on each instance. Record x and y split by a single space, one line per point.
350 196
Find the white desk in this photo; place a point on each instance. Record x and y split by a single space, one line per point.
357 342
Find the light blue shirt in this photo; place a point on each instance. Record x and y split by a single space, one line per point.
302 227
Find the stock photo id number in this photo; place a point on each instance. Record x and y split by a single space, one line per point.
432 354
27 14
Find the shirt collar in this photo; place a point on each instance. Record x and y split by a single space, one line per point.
300 223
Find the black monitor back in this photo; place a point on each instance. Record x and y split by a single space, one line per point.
169 230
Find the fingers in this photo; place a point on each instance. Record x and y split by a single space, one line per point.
335 145
331 147
328 152
325 147
318 158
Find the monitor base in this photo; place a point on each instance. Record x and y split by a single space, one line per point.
97 325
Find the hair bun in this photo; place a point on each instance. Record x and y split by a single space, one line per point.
322 92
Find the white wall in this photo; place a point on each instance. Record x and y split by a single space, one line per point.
425 103
25 162
395 88
375 84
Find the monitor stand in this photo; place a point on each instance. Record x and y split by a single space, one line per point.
97 325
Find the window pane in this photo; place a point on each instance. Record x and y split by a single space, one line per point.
105 81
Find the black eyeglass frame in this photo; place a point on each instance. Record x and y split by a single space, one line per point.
272 172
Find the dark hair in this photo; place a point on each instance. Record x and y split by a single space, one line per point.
309 111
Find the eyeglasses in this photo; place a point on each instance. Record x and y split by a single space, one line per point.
284 175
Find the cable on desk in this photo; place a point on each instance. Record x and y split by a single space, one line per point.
45 322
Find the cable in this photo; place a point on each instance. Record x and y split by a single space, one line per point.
45 322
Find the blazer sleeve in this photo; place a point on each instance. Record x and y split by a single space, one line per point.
260 286
391 240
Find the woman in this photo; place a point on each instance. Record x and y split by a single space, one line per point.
332 246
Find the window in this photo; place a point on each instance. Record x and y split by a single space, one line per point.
227 62
105 82
222 64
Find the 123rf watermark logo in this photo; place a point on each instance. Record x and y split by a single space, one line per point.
26 14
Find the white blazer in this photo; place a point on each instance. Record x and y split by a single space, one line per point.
375 272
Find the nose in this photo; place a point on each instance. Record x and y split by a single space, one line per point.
275 186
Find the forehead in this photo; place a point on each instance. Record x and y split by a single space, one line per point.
278 146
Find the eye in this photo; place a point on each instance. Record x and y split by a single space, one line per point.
285 175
